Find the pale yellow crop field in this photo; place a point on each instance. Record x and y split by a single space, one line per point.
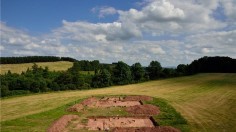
18 68
207 101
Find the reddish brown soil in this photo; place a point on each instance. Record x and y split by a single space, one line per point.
145 109
138 98
75 108
60 124
108 123
147 129
89 102
140 121
108 103
104 102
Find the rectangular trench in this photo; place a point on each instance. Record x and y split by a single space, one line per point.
108 123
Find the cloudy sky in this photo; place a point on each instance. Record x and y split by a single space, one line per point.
169 31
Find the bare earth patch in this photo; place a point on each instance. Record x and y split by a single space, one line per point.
89 102
60 124
109 123
103 102
108 103
75 108
147 129
139 121
138 98
145 109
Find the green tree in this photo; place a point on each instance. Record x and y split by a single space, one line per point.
4 91
121 73
75 68
168 72
154 70
181 69
137 72
102 79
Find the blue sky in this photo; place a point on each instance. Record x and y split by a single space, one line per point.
44 15
169 31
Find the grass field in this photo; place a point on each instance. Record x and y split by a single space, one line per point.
207 101
18 68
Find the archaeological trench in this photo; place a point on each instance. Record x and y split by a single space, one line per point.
138 119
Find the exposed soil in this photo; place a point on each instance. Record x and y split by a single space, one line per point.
145 109
138 98
108 103
147 129
103 102
108 123
89 102
139 121
60 124
75 108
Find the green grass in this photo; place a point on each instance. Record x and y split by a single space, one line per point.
18 68
206 101
168 115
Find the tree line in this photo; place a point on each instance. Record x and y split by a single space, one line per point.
38 79
30 59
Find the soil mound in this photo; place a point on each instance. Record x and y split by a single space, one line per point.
147 129
145 109
60 124
138 98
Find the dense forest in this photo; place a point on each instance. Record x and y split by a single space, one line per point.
39 79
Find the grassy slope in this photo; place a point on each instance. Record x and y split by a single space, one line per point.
18 68
207 101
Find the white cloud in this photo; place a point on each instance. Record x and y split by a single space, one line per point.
162 17
2 47
229 7
213 43
85 31
104 11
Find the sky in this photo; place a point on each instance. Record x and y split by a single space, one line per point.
170 31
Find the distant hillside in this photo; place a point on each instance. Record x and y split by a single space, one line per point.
52 66
31 59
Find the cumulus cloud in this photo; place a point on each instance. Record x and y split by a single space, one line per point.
229 7
104 11
213 43
156 11
85 31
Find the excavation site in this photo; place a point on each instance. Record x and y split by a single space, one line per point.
111 113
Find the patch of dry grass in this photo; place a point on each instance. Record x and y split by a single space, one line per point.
18 68
207 101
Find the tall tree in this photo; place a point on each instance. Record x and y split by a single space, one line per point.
181 69
137 72
121 73
102 79
154 70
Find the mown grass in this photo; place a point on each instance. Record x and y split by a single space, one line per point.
168 115
206 101
18 68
